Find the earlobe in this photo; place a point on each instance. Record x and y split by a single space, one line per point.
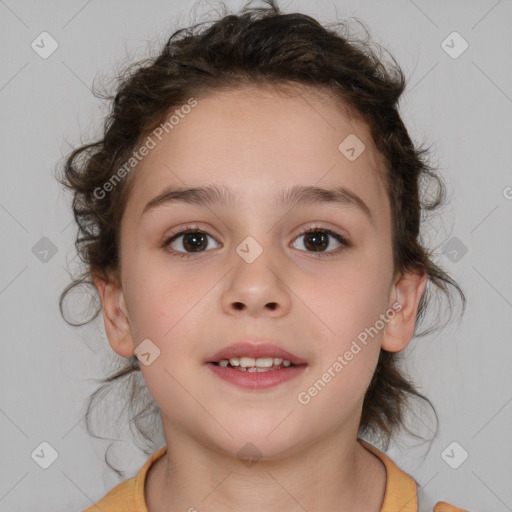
115 317
407 292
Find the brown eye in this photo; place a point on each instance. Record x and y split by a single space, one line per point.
189 241
195 242
318 240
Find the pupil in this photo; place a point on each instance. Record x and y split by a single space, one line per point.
194 242
315 241
319 241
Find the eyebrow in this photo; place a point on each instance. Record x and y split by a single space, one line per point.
294 196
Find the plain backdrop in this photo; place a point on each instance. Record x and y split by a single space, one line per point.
460 102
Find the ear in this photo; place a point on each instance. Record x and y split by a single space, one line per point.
407 292
115 316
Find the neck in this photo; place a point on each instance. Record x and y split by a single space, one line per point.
192 477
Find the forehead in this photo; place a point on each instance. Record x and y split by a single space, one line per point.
260 141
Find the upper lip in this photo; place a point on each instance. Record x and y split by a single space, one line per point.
252 349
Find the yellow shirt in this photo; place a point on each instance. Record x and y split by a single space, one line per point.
400 495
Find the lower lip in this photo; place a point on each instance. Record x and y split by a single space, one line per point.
257 380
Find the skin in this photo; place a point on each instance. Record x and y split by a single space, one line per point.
258 141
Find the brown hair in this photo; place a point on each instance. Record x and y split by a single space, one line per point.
263 47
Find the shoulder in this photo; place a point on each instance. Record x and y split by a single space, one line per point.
401 492
128 496
118 499
442 506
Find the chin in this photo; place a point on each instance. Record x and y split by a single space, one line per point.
252 444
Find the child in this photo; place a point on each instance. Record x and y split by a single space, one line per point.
250 220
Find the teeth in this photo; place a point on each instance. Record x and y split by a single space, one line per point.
246 362
262 362
252 364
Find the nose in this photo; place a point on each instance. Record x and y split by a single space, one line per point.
257 289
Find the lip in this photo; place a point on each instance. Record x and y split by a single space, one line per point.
251 349
256 380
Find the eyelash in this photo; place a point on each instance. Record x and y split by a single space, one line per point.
311 229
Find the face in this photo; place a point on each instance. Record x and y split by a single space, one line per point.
313 295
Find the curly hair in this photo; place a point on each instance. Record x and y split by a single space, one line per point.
262 47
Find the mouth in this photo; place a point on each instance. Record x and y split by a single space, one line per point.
249 353
256 366
251 364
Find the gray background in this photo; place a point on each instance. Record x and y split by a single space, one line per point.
463 105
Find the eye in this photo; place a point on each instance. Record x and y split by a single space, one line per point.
317 240
194 240
191 240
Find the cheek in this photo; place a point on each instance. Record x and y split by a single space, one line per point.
335 391
346 301
168 309
350 306
161 296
